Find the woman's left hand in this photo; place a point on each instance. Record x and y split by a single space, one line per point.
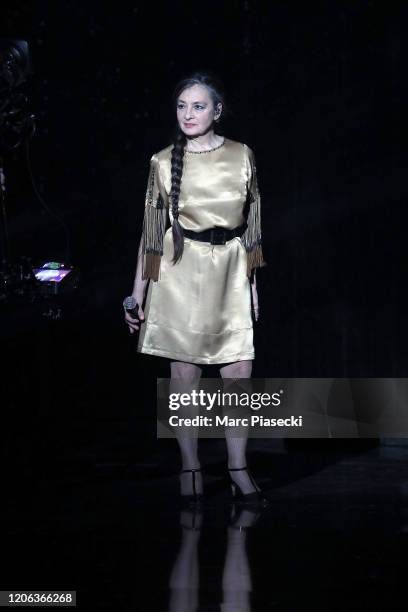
255 303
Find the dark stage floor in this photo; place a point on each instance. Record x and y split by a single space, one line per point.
91 500
334 536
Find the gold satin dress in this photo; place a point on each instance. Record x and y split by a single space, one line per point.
199 310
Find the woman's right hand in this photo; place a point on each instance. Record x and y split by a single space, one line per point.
134 323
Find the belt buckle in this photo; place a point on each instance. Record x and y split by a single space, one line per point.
218 236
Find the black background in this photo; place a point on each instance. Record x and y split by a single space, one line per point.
316 90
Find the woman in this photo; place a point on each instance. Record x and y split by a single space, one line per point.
202 269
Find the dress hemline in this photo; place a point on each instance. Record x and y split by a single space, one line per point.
194 358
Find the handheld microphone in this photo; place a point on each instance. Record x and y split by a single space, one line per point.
131 306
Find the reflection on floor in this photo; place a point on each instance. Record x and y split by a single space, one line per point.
90 498
333 537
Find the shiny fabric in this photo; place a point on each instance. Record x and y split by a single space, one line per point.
199 310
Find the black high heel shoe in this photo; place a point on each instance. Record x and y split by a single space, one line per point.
256 498
194 498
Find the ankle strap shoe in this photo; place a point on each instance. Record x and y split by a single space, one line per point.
194 498
256 498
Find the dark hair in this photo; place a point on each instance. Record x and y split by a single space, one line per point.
216 92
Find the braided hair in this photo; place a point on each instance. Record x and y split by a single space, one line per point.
215 90
177 158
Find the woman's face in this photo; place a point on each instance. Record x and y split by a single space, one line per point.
195 110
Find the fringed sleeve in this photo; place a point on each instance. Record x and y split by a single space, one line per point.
154 223
252 238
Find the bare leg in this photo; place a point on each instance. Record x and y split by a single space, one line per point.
236 447
181 375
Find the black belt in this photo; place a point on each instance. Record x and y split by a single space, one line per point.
216 235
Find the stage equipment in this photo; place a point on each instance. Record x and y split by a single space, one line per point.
17 126
56 278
